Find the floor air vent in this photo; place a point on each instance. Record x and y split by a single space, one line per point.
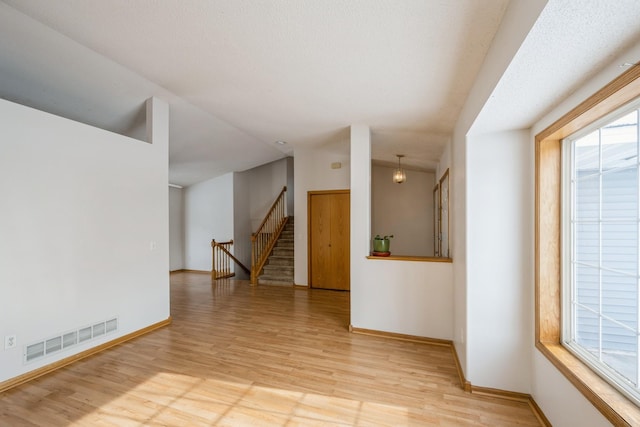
69 339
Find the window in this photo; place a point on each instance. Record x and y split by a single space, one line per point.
600 251
549 242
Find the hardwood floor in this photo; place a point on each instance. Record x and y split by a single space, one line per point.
236 355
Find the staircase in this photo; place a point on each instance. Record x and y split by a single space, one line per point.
279 268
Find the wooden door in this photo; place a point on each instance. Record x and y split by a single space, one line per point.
329 239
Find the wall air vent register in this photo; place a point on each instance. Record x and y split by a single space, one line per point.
66 340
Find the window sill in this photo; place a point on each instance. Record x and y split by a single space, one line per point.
411 258
608 400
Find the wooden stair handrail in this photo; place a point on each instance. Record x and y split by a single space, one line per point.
236 260
255 270
271 209
264 239
221 268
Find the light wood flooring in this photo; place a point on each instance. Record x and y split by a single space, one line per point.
258 356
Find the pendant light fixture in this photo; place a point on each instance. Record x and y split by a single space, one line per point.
399 175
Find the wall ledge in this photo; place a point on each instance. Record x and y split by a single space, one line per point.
411 258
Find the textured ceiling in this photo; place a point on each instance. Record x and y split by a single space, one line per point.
241 74
571 41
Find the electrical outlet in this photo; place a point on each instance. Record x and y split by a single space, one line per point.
9 342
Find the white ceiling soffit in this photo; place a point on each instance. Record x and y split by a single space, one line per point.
295 70
570 42
46 70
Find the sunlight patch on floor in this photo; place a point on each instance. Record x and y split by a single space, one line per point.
175 399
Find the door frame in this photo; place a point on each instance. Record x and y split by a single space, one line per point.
309 195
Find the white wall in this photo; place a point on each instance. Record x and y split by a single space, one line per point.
458 243
176 229
313 172
514 27
499 260
560 401
406 297
444 162
265 184
254 191
291 186
242 222
84 230
404 210
208 214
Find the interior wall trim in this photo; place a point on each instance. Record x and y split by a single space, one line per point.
184 270
403 337
411 258
36 373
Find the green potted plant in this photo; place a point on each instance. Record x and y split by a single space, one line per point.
381 244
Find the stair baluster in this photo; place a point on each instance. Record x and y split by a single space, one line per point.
279 268
264 239
221 262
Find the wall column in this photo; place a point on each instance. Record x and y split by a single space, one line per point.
360 219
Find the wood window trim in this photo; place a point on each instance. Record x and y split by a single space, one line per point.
445 177
548 161
436 219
